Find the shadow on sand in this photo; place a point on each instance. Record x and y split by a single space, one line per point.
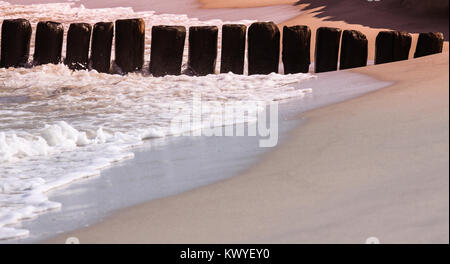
405 15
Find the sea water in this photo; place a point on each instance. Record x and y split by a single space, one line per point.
58 126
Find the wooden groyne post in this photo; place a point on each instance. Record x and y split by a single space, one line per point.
78 41
202 50
392 46
327 49
48 44
15 44
233 48
263 48
402 46
354 49
130 44
167 50
429 43
296 49
102 37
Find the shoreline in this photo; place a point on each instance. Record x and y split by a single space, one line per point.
171 168
370 199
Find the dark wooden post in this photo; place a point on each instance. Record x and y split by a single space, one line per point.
296 49
392 46
202 50
429 43
16 35
78 41
167 50
402 45
130 44
353 50
48 44
263 48
102 37
233 48
384 47
327 49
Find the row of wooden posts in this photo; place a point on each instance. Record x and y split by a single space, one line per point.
168 45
